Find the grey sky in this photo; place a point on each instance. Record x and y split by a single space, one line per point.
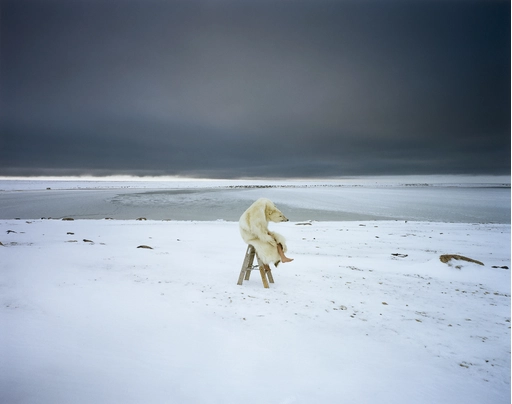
254 88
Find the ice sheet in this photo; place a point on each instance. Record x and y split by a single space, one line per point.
226 200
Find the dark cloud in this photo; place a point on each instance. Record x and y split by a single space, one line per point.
260 88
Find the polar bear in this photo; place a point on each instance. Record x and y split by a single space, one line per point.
270 246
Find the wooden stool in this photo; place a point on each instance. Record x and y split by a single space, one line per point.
247 267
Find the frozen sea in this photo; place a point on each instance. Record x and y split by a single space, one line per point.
437 199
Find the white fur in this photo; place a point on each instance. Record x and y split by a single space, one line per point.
254 230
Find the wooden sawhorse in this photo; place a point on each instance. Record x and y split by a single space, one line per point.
248 266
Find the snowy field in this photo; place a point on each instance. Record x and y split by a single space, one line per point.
367 312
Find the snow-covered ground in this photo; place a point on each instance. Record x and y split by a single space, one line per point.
366 313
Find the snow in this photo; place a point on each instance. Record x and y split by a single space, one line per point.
346 322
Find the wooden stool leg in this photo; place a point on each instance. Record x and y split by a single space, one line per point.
264 277
247 263
241 277
248 271
268 273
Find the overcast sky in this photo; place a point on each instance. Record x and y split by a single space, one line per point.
278 88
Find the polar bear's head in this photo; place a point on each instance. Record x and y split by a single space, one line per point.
273 214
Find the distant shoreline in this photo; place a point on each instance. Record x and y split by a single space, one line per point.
43 183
